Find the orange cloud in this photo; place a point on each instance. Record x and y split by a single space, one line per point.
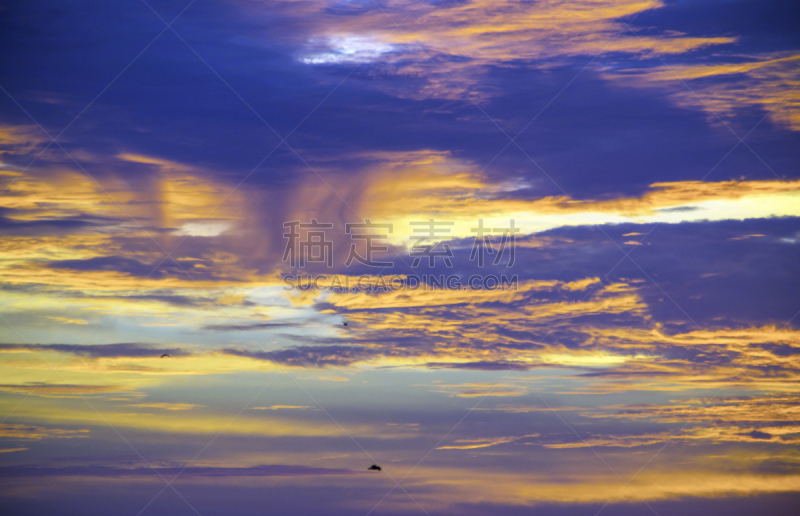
766 81
479 33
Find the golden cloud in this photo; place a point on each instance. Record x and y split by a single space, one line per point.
769 82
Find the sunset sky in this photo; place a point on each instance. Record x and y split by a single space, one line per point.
155 153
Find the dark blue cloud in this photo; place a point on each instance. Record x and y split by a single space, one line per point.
111 263
269 470
11 226
125 349
757 434
164 266
596 139
309 356
713 275
780 350
252 326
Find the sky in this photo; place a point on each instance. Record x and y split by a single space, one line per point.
563 236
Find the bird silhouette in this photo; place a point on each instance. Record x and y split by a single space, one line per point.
345 323
374 467
165 356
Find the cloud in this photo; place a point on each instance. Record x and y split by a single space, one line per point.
35 432
475 444
480 390
67 320
161 251
724 89
252 326
76 224
448 51
60 390
756 434
21 139
614 442
285 407
775 409
125 349
486 365
305 356
271 470
167 406
11 450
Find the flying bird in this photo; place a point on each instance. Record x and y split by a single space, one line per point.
165 356
345 323
374 467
